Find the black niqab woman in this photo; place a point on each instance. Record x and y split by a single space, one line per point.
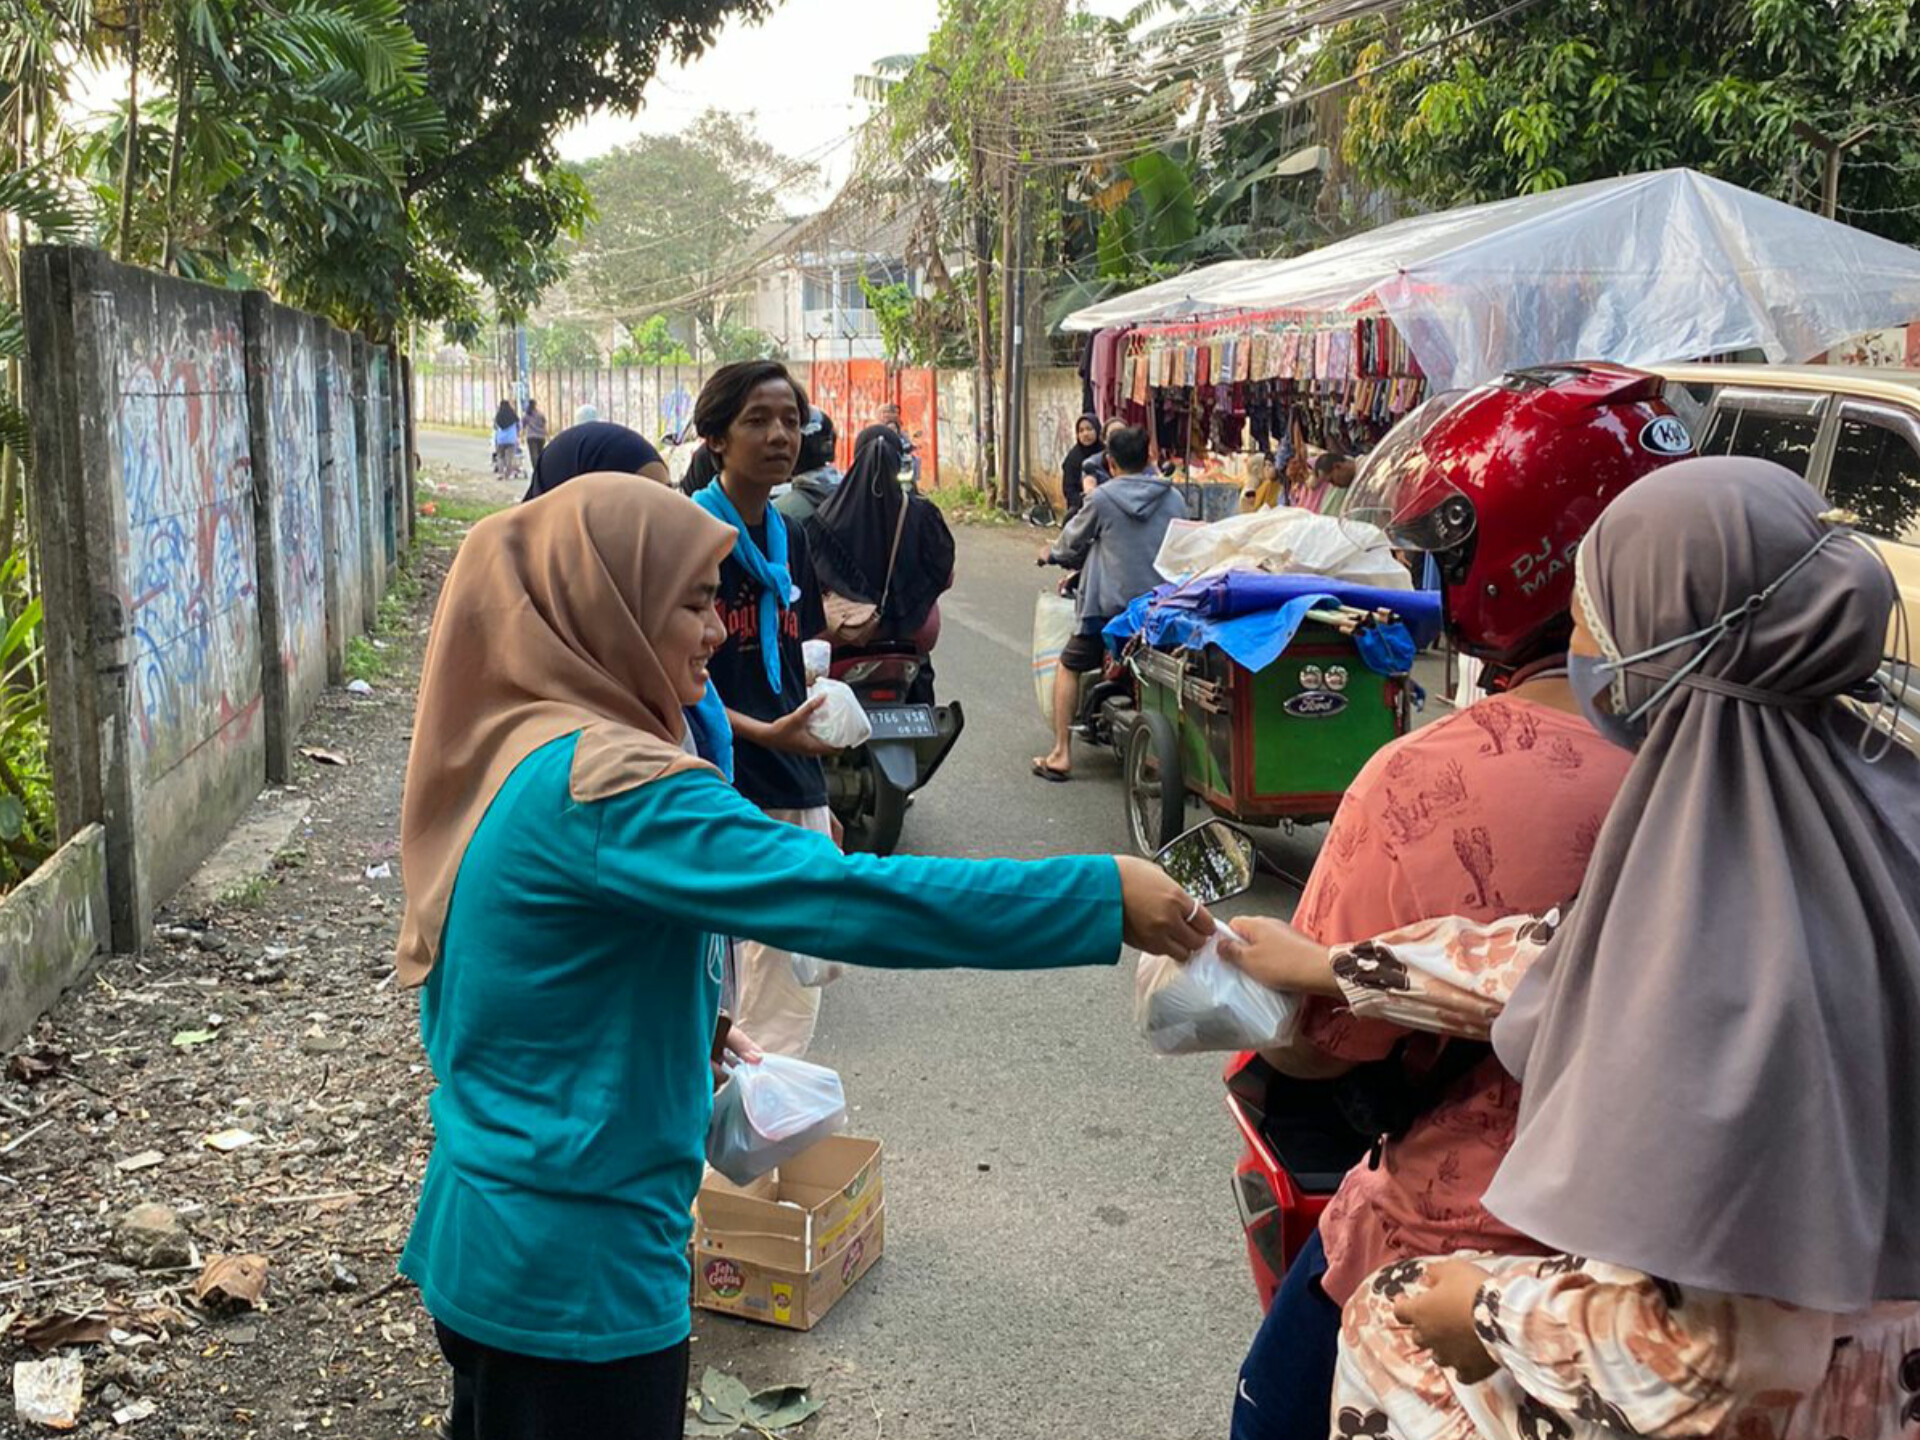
851 537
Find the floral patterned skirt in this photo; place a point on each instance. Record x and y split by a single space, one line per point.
1590 1351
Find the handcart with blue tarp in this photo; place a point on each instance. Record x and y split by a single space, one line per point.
1261 695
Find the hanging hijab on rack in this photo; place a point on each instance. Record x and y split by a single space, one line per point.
851 538
1729 1022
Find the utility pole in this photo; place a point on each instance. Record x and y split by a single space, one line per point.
981 232
1017 382
1833 150
1009 417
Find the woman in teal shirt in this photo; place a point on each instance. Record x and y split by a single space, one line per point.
570 865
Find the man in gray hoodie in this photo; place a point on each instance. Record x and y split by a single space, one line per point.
1112 542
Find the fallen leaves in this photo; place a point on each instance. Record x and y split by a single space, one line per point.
723 1406
233 1281
323 757
145 1160
227 1141
97 1326
188 1039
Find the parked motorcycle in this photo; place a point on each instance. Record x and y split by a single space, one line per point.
868 786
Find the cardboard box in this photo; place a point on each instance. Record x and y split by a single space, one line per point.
784 1249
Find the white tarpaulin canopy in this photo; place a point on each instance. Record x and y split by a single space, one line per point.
1670 265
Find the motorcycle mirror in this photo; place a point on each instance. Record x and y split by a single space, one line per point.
1213 862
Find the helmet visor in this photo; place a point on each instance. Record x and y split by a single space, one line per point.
1402 492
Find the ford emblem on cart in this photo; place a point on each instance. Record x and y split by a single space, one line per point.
1315 704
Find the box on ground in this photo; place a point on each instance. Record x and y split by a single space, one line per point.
784 1249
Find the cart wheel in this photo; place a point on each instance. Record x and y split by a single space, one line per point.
1156 790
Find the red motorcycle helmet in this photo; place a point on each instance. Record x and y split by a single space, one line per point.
1501 483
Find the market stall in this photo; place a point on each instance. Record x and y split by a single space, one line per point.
1330 347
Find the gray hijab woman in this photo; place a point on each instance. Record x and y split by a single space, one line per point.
1729 1025
1719 1048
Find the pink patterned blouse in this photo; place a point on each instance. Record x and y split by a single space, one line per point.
1489 813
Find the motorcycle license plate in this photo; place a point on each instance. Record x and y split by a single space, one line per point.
904 722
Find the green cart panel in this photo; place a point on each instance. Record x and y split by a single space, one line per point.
1268 746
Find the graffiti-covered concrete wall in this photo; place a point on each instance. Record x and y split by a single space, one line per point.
343 491
283 374
184 475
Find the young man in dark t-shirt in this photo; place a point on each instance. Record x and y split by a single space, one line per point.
750 415
772 779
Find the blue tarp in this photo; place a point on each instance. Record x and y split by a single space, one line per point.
1254 616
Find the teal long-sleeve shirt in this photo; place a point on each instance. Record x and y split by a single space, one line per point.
571 1013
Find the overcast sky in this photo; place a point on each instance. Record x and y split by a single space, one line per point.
795 72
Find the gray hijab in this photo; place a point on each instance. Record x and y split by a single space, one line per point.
1721 1049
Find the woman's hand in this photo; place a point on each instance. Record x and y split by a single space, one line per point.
1160 917
790 733
737 1045
1441 1318
1280 957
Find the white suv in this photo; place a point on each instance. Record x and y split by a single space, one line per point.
1851 431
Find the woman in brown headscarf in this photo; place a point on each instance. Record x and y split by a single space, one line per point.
1719 1051
569 864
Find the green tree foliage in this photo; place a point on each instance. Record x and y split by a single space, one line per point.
496 201
653 343
674 217
1564 93
272 151
565 344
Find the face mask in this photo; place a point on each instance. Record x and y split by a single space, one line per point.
1591 677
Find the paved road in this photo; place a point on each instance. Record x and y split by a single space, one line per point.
1063 1255
468 449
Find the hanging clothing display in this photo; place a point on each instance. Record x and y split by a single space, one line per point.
1251 384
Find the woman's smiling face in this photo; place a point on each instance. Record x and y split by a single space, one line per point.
690 637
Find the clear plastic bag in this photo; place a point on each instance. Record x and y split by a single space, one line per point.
1208 1005
1052 628
768 1113
817 655
814 973
841 722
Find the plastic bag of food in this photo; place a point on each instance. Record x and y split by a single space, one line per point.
1207 1004
769 1112
817 656
841 722
1052 628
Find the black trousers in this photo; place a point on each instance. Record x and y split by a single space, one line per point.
498 1396
534 447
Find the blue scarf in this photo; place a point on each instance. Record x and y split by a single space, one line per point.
712 731
770 573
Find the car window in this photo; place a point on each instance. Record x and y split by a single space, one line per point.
1784 438
1689 402
1875 471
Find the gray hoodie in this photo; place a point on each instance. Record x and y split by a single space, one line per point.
1113 540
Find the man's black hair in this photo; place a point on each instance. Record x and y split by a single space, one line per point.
725 394
1128 448
1329 461
817 449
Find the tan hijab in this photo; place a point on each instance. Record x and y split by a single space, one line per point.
545 628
